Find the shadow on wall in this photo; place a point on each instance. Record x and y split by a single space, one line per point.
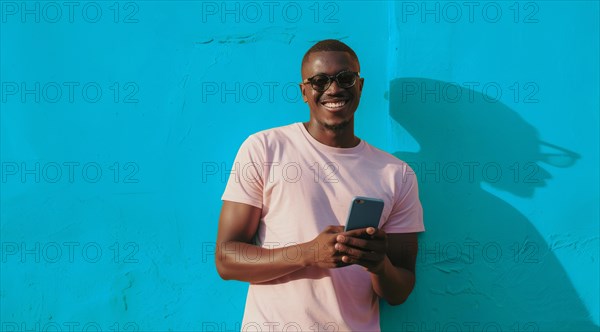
482 265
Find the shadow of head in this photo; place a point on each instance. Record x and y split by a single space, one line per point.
467 138
471 137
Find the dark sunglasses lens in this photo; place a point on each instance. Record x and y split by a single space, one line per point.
346 80
558 160
320 82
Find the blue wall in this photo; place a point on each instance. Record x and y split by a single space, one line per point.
119 123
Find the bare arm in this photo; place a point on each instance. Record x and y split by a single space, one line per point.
237 258
397 278
390 258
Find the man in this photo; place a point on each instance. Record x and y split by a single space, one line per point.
286 202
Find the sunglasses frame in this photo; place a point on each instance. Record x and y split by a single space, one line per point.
330 79
571 156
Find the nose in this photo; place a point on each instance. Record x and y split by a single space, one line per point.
543 173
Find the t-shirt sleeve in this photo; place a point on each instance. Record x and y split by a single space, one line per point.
407 213
245 183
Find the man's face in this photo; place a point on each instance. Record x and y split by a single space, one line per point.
333 108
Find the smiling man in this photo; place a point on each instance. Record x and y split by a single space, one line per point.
285 206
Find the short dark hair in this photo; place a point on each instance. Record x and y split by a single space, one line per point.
329 45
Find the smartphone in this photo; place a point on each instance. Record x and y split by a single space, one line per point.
364 212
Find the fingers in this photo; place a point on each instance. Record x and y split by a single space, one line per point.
349 261
357 254
335 261
365 247
369 232
375 244
376 233
370 260
326 256
355 242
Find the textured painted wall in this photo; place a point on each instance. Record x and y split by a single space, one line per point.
120 120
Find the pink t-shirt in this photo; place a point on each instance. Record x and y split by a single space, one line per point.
302 186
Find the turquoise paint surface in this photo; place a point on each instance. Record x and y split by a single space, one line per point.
120 121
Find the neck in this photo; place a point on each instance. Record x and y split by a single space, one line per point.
340 137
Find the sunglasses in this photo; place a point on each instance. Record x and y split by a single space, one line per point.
559 157
321 82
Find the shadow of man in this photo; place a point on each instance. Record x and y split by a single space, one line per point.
482 265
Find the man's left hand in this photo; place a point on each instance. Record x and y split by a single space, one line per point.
366 247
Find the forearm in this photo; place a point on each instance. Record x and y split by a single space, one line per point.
247 262
394 284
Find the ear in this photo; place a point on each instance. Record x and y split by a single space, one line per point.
362 82
303 92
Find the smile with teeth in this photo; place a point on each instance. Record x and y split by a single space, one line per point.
336 104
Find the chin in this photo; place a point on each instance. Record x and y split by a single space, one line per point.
336 126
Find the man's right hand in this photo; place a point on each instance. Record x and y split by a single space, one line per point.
238 224
320 252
